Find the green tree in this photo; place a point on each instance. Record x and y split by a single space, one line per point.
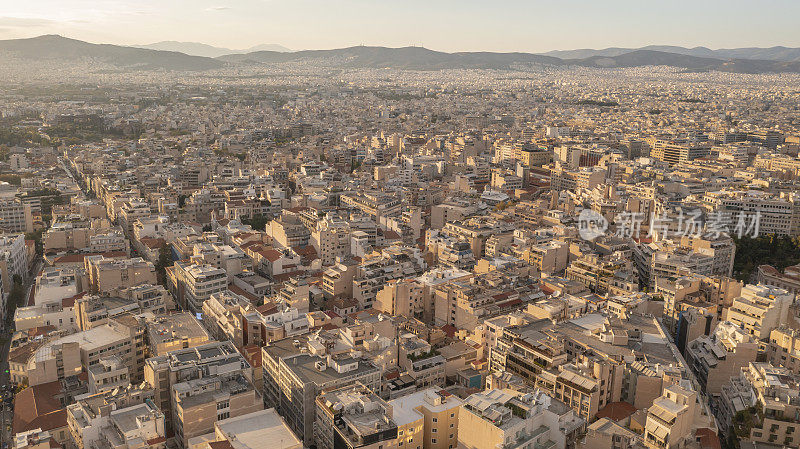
36 236
164 261
779 252
257 222
16 298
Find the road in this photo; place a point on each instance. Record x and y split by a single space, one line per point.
6 413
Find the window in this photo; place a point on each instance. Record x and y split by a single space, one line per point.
435 420
433 440
434 430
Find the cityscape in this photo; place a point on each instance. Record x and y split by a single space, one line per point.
374 246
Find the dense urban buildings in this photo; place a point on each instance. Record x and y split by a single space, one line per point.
314 253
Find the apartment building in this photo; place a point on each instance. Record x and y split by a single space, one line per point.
262 326
231 259
562 178
13 259
760 309
612 275
223 315
337 280
191 284
13 262
167 333
56 314
783 348
112 275
761 406
331 239
80 234
354 417
63 356
789 280
464 302
375 204
109 418
674 152
288 231
777 214
131 211
264 428
394 262
501 418
200 402
713 358
15 216
187 381
401 298
110 373
93 310
293 379
476 231
551 257
426 419
671 419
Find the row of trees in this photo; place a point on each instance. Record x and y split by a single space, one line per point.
15 298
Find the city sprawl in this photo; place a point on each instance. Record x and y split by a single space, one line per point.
310 255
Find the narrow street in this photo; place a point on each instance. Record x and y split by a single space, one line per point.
7 413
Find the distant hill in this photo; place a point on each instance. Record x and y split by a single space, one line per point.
640 58
265 47
768 54
418 58
53 47
410 58
59 48
208 51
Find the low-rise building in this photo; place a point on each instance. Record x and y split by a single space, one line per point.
354 417
497 418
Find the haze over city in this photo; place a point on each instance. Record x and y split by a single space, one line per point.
446 25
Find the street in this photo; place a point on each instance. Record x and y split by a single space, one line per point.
7 414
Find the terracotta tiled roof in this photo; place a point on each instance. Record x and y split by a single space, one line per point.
70 302
37 406
616 411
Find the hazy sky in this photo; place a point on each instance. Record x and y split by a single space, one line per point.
448 25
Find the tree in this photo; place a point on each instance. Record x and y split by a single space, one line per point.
780 252
15 298
207 228
257 222
36 236
181 201
164 261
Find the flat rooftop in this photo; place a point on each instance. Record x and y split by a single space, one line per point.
264 428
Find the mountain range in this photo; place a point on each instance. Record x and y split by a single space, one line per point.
164 55
57 48
209 51
766 54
